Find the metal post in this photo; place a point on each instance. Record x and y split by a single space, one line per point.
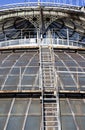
38 41
37 38
67 36
57 41
19 85
20 78
21 33
5 38
77 79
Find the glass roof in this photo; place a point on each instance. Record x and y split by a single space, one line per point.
20 70
72 114
71 70
20 113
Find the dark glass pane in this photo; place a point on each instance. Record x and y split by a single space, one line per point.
5 105
4 71
64 107
20 106
2 79
12 80
35 107
27 80
78 106
31 70
68 123
2 122
33 123
81 122
15 123
8 63
67 80
15 71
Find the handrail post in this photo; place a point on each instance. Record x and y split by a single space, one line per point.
67 36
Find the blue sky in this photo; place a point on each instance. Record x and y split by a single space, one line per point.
74 2
3 2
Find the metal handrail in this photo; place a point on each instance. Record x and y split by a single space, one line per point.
34 42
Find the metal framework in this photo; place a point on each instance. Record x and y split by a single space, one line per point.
53 34
50 101
28 21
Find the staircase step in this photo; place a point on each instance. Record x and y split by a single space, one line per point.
50 99
51 127
51 121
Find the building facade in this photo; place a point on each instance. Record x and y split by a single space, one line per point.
42 66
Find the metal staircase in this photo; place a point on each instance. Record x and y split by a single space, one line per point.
50 98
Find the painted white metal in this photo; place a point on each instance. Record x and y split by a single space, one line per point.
50 102
33 42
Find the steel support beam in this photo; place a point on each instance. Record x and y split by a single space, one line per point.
42 28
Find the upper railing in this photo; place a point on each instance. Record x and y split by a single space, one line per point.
45 41
60 3
33 37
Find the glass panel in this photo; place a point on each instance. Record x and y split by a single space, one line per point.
68 123
33 123
67 80
82 63
34 63
62 68
12 80
3 56
35 107
4 71
8 63
5 106
82 81
15 123
2 122
2 79
78 106
15 71
64 107
59 63
31 70
14 56
20 106
70 63
28 80
81 122
8 87
21 63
